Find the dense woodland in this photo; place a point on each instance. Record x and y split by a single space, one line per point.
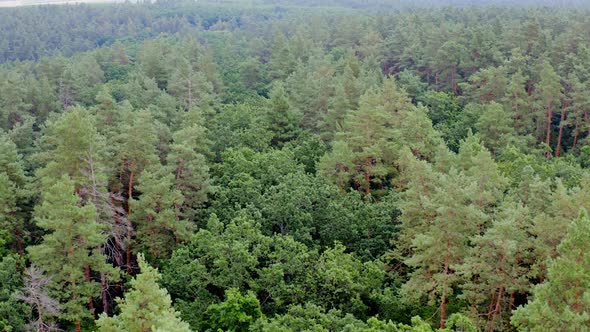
281 166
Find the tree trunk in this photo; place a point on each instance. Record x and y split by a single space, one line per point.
512 299
443 301
129 225
178 179
118 257
40 324
104 293
496 309
529 87
18 241
368 176
454 82
586 121
561 124
78 327
548 130
491 306
576 128
128 248
190 94
87 276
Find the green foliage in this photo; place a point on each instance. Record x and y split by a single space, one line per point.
146 306
236 313
12 313
447 117
69 249
561 301
186 160
261 156
282 118
155 215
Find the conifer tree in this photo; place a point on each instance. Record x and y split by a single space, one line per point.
496 128
562 303
282 117
14 194
442 247
69 248
135 152
548 95
35 294
155 215
74 148
8 219
580 98
146 307
188 163
517 102
496 269
370 134
190 87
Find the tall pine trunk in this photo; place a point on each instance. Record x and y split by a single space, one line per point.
18 241
87 276
368 163
104 292
129 225
496 310
561 125
576 129
548 129
586 121
443 301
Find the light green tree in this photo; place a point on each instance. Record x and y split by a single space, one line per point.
146 307
155 214
562 302
187 161
68 251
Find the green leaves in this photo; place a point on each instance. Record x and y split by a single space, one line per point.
234 314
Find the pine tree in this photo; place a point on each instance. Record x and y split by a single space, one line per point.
548 96
369 133
14 194
562 303
155 215
68 250
488 84
442 247
13 314
146 307
281 60
444 206
190 87
496 128
283 119
496 269
580 98
73 147
517 102
187 162
8 209
136 151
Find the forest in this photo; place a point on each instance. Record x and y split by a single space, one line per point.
272 165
